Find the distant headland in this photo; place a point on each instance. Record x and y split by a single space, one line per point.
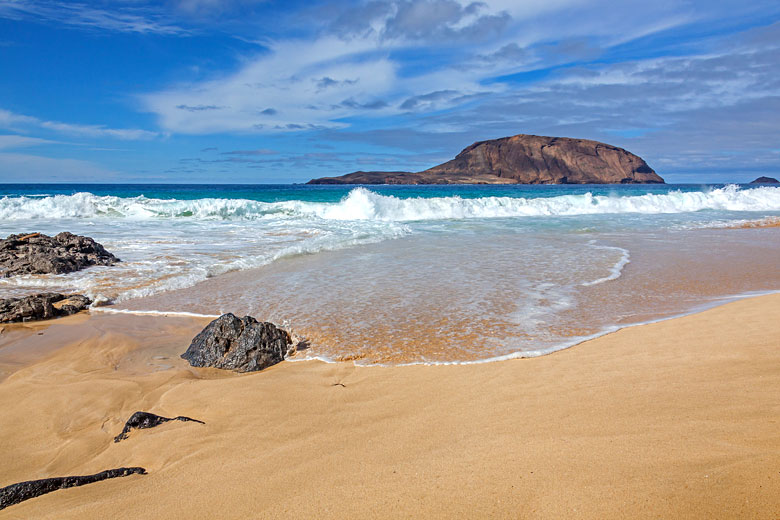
765 180
522 159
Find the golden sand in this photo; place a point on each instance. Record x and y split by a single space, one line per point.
677 419
769 222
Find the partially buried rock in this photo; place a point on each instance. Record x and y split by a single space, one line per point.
143 420
22 491
36 253
42 306
240 344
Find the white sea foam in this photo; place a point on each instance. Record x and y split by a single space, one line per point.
521 354
363 204
616 270
109 310
180 256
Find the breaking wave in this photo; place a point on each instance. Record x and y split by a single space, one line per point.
363 204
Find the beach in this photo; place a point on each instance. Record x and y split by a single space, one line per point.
389 259
675 419
468 351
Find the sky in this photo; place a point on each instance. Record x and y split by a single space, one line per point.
266 91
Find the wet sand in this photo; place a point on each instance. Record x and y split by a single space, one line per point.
770 222
677 419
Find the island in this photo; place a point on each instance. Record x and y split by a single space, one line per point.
522 159
765 180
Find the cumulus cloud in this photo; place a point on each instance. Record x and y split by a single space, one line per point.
310 84
389 58
420 20
442 19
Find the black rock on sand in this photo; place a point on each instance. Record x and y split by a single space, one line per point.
240 344
22 491
36 253
143 420
42 306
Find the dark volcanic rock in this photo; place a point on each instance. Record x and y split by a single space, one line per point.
244 344
22 491
370 178
35 253
143 420
765 180
42 306
523 159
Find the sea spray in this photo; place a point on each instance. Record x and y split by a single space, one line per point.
364 204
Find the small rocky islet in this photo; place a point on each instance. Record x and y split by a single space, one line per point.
765 180
523 159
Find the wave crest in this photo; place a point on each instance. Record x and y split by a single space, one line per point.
363 204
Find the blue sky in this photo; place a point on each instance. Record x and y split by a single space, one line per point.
251 91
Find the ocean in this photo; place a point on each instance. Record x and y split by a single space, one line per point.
412 274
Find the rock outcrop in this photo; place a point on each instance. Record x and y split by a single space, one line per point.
42 306
143 420
765 180
36 253
22 491
240 344
523 159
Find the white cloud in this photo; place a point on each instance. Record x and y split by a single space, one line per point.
299 85
124 19
361 67
210 7
15 121
8 142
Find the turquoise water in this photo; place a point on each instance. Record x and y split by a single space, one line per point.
480 271
331 193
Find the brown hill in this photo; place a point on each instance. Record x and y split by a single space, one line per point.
523 159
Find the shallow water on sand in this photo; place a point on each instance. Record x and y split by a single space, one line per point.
463 298
414 274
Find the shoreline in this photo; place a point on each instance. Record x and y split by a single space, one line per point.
701 307
676 418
